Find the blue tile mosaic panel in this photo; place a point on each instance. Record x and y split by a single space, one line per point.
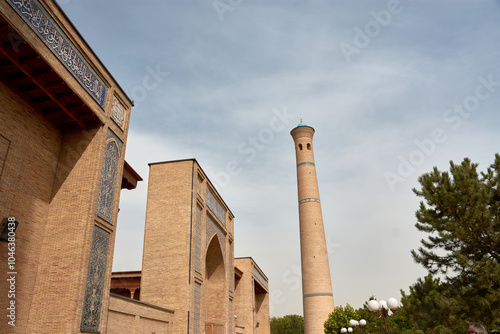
198 185
230 266
37 18
216 208
259 277
197 307
112 135
197 242
95 281
108 179
230 312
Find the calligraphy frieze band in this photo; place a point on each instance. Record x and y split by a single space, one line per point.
37 18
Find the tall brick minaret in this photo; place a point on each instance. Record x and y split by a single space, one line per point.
316 281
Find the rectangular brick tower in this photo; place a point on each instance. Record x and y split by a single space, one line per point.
252 298
188 249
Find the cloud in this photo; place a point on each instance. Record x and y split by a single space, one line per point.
227 83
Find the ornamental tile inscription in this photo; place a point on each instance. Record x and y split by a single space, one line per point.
37 18
95 281
108 180
118 112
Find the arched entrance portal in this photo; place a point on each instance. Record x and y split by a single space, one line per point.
216 306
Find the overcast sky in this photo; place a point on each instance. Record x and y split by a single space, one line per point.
391 88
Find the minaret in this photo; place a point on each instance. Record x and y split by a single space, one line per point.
316 282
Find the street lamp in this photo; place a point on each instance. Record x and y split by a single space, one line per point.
355 324
384 307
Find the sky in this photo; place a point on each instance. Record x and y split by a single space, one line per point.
392 89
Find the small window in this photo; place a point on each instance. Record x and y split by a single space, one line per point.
308 146
300 147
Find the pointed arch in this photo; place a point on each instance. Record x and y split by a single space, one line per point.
215 282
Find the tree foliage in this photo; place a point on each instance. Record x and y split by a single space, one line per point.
289 324
431 304
340 318
461 214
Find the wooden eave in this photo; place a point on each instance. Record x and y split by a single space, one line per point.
27 73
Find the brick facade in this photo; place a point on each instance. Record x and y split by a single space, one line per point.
188 242
54 131
132 316
63 134
252 298
188 259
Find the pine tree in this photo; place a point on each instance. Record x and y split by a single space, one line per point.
461 214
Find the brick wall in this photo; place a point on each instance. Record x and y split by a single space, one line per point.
31 147
131 316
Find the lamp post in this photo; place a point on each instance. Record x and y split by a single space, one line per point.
384 307
355 324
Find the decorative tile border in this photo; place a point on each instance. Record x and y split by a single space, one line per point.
306 163
314 294
37 18
305 200
95 281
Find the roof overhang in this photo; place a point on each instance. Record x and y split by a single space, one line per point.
26 72
129 177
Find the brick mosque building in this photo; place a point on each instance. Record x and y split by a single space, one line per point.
63 133
188 267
